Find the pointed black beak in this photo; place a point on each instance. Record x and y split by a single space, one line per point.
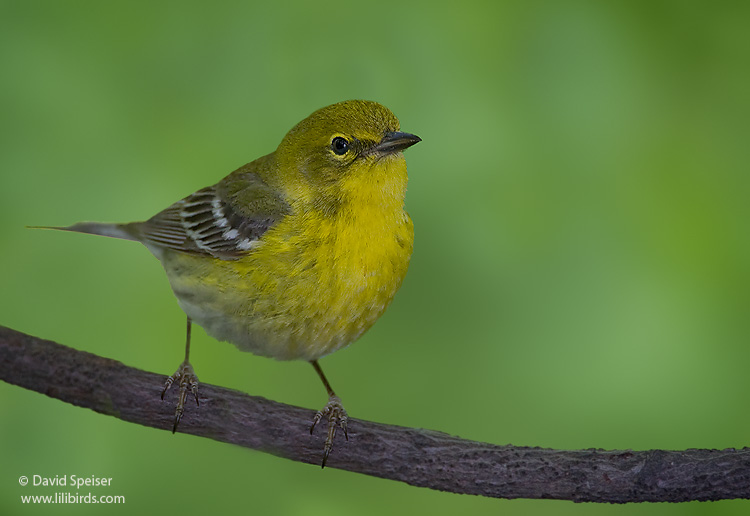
395 142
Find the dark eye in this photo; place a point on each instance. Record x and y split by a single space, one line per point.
340 145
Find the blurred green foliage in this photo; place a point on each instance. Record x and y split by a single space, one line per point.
580 276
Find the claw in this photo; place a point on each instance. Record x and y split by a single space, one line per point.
336 416
316 419
187 382
168 384
177 418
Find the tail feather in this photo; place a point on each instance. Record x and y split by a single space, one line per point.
124 231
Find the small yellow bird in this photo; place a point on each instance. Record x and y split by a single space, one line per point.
296 254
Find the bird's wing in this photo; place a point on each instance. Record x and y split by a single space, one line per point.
225 221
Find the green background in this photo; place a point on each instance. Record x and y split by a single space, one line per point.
580 275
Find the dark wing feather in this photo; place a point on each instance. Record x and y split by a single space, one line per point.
224 221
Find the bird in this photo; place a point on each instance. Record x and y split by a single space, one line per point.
294 255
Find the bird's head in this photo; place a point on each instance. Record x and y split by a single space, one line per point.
347 152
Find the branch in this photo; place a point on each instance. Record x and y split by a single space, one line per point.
419 457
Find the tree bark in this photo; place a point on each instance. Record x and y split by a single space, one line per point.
418 457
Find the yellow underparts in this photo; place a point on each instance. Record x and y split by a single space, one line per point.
319 278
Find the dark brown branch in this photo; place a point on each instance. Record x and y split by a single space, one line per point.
419 457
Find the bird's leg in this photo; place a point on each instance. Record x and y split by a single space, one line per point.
187 380
333 412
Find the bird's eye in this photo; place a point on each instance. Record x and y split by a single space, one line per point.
340 145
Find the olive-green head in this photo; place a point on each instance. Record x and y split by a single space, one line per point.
339 144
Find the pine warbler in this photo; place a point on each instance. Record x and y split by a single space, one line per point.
296 254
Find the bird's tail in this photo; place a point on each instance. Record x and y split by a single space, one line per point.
124 231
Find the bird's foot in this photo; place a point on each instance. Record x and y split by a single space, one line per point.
188 382
336 416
